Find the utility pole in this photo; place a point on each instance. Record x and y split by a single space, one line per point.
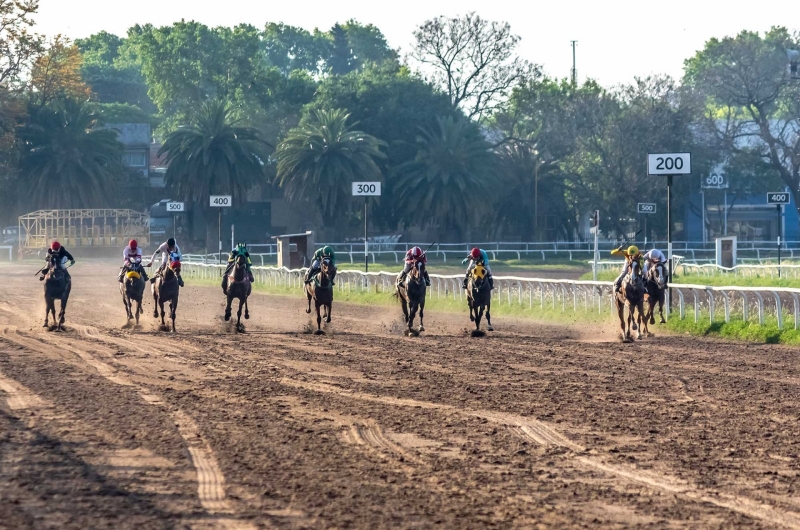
574 68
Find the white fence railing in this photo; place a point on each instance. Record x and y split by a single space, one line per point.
544 293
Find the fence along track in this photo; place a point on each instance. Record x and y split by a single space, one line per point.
551 294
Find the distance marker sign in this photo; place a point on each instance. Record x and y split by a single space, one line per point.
366 189
175 207
778 197
646 207
220 201
669 164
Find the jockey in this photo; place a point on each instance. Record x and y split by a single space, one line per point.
412 256
478 255
651 257
319 255
631 255
132 251
241 249
166 250
62 256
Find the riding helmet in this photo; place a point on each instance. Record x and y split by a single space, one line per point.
133 244
416 252
55 245
633 250
475 253
171 242
327 251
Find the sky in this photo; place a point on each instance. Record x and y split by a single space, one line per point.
617 39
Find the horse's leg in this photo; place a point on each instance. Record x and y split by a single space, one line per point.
138 310
329 310
404 306
161 308
173 309
412 314
639 314
319 316
473 311
246 310
478 316
239 314
489 314
309 296
228 306
155 301
422 314
621 315
47 303
661 301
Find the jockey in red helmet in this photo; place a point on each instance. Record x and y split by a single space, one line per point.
413 256
132 253
478 255
61 255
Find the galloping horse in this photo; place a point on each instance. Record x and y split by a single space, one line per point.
412 296
239 287
166 289
656 287
57 286
321 290
479 297
631 295
132 289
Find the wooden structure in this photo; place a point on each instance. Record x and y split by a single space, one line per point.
83 228
295 250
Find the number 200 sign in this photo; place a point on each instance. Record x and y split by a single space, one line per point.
366 189
669 164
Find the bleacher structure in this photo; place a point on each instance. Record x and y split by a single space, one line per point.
83 228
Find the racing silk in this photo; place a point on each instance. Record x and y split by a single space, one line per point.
235 252
61 253
628 259
655 255
410 258
165 249
318 256
484 259
127 254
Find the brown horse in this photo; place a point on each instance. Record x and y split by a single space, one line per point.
479 298
239 287
57 286
166 289
132 290
631 295
412 297
656 285
320 289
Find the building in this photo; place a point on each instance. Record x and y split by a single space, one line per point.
136 139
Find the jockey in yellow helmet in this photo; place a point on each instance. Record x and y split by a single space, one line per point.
631 254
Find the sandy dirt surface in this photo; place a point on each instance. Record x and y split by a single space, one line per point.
532 426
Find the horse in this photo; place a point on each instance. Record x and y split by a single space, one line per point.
631 295
479 298
412 297
57 286
239 287
656 285
320 288
132 289
166 289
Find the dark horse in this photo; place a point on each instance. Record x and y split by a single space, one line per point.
57 286
166 289
239 287
479 298
132 289
412 297
631 295
656 287
320 288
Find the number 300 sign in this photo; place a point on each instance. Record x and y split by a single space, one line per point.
366 189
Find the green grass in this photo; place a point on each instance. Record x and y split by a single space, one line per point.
759 280
737 329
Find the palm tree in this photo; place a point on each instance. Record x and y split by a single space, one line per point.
449 183
318 161
67 160
214 155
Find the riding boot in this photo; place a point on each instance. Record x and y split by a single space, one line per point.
401 278
491 282
180 280
121 274
144 275
310 275
427 279
464 283
251 277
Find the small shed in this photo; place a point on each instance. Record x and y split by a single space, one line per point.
726 251
295 250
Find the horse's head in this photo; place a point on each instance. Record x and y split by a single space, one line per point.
635 274
241 260
658 274
478 275
173 270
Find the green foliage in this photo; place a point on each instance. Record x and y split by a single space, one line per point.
214 155
318 161
67 161
737 329
450 182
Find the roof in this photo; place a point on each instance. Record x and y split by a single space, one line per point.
132 134
308 233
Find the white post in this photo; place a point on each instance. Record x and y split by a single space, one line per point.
726 212
233 241
596 235
703 206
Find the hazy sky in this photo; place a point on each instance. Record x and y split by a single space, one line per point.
617 39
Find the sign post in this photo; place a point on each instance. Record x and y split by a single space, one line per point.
220 201
596 222
716 180
645 207
779 199
175 208
366 190
669 164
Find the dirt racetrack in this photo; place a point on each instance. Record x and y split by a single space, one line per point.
533 426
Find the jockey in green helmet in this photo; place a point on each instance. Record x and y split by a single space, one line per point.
319 255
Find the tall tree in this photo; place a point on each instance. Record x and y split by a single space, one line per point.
751 102
18 45
68 161
318 161
449 184
215 154
472 60
57 74
291 48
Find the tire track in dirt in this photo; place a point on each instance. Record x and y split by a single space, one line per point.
211 489
371 434
542 434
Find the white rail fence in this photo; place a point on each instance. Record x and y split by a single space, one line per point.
540 293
